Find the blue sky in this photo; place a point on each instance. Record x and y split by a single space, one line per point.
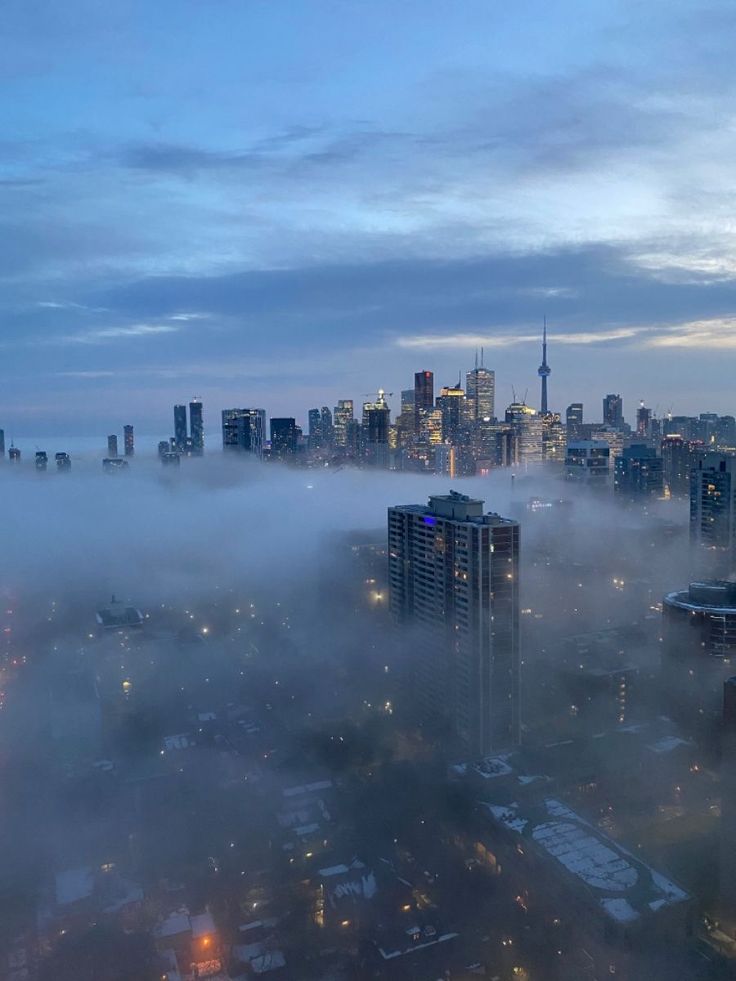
285 203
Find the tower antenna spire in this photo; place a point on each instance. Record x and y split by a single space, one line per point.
544 370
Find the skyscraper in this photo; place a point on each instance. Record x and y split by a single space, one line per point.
643 421
196 427
453 575
314 419
342 417
128 441
112 445
613 411
180 427
14 454
2 443
480 391
544 370
63 462
574 420
283 437
451 403
676 460
244 429
376 422
327 426
528 428
423 395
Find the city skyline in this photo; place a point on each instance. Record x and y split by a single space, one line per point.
473 171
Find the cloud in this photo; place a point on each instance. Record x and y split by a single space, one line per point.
717 334
491 340
114 333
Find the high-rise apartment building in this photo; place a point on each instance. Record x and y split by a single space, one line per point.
196 427
128 441
453 575
588 460
713 508
677 455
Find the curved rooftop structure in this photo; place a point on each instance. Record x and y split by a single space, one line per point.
716 596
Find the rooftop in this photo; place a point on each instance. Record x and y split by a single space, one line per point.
712 596
625 888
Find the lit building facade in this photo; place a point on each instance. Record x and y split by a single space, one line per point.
528 428
638 472
342 418
423 394
713 508
480 386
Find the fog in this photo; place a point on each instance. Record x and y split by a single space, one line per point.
267 660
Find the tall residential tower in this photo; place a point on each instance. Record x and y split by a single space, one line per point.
453 575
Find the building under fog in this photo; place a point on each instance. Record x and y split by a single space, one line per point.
727 865
129 440
638 473
588 460
453 577
699 644
245 430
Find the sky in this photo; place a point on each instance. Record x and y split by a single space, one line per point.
279 204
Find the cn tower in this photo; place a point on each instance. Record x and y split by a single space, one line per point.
544 370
